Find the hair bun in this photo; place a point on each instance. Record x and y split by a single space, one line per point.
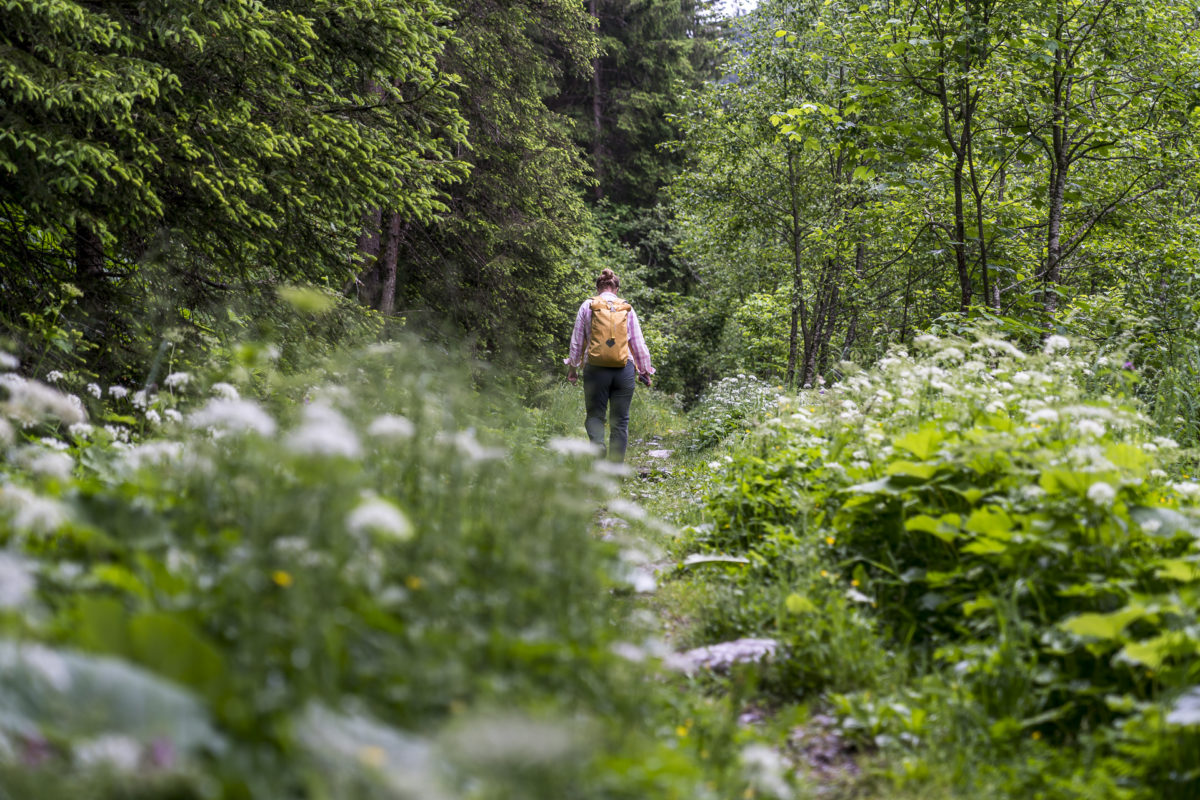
607 273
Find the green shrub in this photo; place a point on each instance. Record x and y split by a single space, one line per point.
1013 516
374 583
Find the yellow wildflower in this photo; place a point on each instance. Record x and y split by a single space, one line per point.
281 578
413 582
372 756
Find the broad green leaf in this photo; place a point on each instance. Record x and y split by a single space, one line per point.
990 521
1056 481
912 469
927 524
985 547
1103 626
1153 652
981 603
173 648
1128 456
799 604
1178 569
922 443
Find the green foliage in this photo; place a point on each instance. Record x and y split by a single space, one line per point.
1012 518
374 583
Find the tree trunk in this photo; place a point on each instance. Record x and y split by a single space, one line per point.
388 263
91 278
1061 90
597 117
799 321
860 261
364 286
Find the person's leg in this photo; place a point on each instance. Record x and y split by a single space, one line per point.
596 385
618 413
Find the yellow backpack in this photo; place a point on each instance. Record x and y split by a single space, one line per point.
608 345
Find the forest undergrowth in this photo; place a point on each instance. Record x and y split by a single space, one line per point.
980 564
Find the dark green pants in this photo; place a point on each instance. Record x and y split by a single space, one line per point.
609 390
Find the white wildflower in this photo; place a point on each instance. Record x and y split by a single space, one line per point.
54 376
858 597
140 399
8 361
177 380
48 463
1055 343
613 468
391 426
110 750
1188 489
1151 526
572 447
324 432
118 391
49 665
152 417
766 769
1022 379
625 508
118 432
173 415
974 366
80 430
1101 493
16 581
1166 443
237 416
470 447
152 454
32 513
225 390
925 340
951 354
1090 428
1044 416
6 432
998 345
30 402
378 516
94 390
1158 473
54 444
1033 492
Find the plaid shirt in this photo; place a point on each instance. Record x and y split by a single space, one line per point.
583 328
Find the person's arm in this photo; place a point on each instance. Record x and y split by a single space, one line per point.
639 351
583 323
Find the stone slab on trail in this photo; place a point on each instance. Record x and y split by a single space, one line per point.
720 657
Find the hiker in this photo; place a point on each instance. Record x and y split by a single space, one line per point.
608 342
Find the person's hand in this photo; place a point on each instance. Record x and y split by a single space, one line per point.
645 378
572 376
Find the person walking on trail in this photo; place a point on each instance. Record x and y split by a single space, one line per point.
607 344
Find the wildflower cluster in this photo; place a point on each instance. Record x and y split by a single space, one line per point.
976 499
731 405
294 582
